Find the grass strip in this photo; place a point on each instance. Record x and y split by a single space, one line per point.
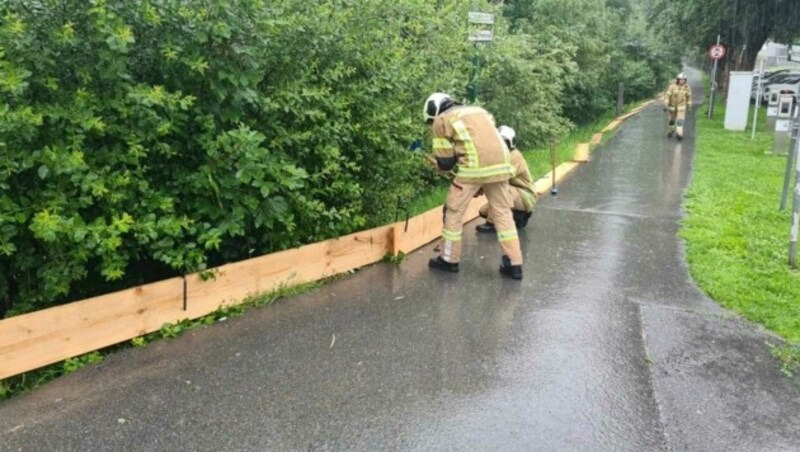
736 238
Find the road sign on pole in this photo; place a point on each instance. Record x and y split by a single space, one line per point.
480 31
716 52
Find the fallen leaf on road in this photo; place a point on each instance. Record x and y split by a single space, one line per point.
333 341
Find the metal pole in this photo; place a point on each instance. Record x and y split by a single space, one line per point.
790 157
553 189
713 86
758 99
795 231
620 98
474 88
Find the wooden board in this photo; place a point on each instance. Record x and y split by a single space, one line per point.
614 124
427 227
234 282
51 335
581 153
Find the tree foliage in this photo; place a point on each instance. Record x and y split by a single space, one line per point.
150 138
743 25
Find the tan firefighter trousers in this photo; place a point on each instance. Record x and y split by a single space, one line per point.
500 202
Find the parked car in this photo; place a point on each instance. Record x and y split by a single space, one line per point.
773 78
786 85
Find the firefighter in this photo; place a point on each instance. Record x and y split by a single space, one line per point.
677 100
521 186
465 139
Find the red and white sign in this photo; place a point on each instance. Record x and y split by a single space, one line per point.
716 52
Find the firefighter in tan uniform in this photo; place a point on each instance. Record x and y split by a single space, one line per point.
521 186
677 100
465 139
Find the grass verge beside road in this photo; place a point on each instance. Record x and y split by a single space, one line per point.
736 238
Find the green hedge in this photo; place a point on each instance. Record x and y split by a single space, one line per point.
144 139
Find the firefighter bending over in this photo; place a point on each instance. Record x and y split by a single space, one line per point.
465 138
521 186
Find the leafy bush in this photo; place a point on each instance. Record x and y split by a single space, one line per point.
139 140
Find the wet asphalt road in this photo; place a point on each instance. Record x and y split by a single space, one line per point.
605 345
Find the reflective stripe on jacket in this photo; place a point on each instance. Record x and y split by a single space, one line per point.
678 95
468 133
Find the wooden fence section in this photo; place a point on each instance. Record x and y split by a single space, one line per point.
232 283
44 337
581 153
48 336
51 335
427 227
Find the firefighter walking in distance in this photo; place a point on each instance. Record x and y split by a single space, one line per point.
465 139
677 100
521 185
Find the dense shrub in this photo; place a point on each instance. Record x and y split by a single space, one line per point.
148 138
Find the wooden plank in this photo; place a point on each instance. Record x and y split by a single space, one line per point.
563 170
51 335
614 124
234 282
597 138
427 227
581 153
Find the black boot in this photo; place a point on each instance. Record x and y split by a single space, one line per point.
511 271
485 227
441 264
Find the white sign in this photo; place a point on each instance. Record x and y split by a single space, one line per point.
481 18
739 88
772 111
482 36
716 52
782 125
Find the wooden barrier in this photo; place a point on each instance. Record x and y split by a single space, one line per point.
234 282
614 124
51 335
581 153
43 337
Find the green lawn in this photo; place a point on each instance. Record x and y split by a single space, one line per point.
736 238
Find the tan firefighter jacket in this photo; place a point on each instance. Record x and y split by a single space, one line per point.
678 95
522 180
465 137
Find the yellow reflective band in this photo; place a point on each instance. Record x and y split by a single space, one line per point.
469 146
529 199
453 236
501 169
442 143
507 236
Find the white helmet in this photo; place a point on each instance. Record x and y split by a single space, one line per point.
681 76
435 104
508 135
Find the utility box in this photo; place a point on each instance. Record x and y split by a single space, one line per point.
786 112
772 110
738 106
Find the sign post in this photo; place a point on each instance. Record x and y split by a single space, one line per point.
480 31
715 52
758 98
795 229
